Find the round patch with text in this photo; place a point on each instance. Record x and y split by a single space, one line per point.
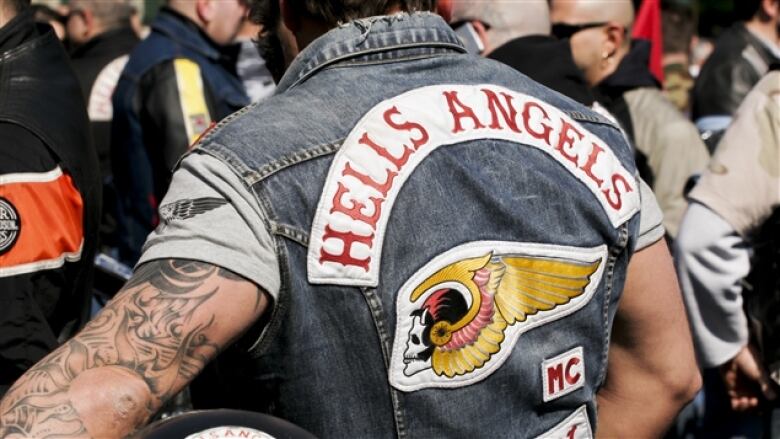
10 225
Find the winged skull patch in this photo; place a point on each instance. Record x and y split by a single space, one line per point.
460 316
186 209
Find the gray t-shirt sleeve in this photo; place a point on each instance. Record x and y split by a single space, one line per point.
711 261
651 227
209 215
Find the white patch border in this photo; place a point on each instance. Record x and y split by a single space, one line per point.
579 352
569 421
396 375
353 276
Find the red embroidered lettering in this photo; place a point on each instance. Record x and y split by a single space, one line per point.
348 239
356 211
243 433
554 378
510 115
457 115
399 162
566 139
588 168
572 378
544 134
570 434
408 126
382 188
617 202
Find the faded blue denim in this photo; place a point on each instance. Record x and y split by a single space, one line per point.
324 354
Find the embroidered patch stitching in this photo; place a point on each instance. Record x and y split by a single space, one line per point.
394 137
186 209
10 225
459 317
563 375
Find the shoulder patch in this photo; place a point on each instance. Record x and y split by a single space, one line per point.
395 136
100 107
10 225
186 209
192 96
459 317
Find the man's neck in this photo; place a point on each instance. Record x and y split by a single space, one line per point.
766 30
6 15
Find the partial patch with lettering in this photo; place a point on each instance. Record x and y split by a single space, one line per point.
563 374
100 108
230 432
10 224
576 426
394 137
460 316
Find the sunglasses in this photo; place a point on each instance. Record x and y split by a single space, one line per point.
565 30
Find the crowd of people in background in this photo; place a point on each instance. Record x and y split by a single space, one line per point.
705 129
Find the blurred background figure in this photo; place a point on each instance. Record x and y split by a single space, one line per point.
49 194
43 13
250 66
178 82
519 38
667 146
736 211
102 38
741 57
678 23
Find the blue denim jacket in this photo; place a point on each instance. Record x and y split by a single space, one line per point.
450 245
138 179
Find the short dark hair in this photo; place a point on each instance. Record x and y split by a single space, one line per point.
333 12
679 26
266 13
16 5
746 9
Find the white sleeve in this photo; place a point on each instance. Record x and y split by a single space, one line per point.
711 260
208 215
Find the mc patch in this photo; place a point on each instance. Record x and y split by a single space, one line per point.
10 225
460 316
563 374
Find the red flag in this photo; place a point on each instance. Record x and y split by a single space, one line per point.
648 27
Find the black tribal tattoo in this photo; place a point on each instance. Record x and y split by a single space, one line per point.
147 334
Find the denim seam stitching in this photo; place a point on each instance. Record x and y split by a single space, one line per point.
613 255
253 177
316 66
377 313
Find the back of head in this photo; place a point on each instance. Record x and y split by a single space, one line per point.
110 14
504 20
598 32
334 12
745 10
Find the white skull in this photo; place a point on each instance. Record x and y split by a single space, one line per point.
415 345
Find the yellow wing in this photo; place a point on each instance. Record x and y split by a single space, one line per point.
530 285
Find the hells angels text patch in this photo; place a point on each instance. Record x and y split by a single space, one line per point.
394 137
460 316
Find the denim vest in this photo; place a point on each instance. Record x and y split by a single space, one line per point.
451 263
171 37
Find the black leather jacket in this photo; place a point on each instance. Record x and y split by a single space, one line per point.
738 62
41 108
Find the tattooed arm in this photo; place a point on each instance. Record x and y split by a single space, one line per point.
166 324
